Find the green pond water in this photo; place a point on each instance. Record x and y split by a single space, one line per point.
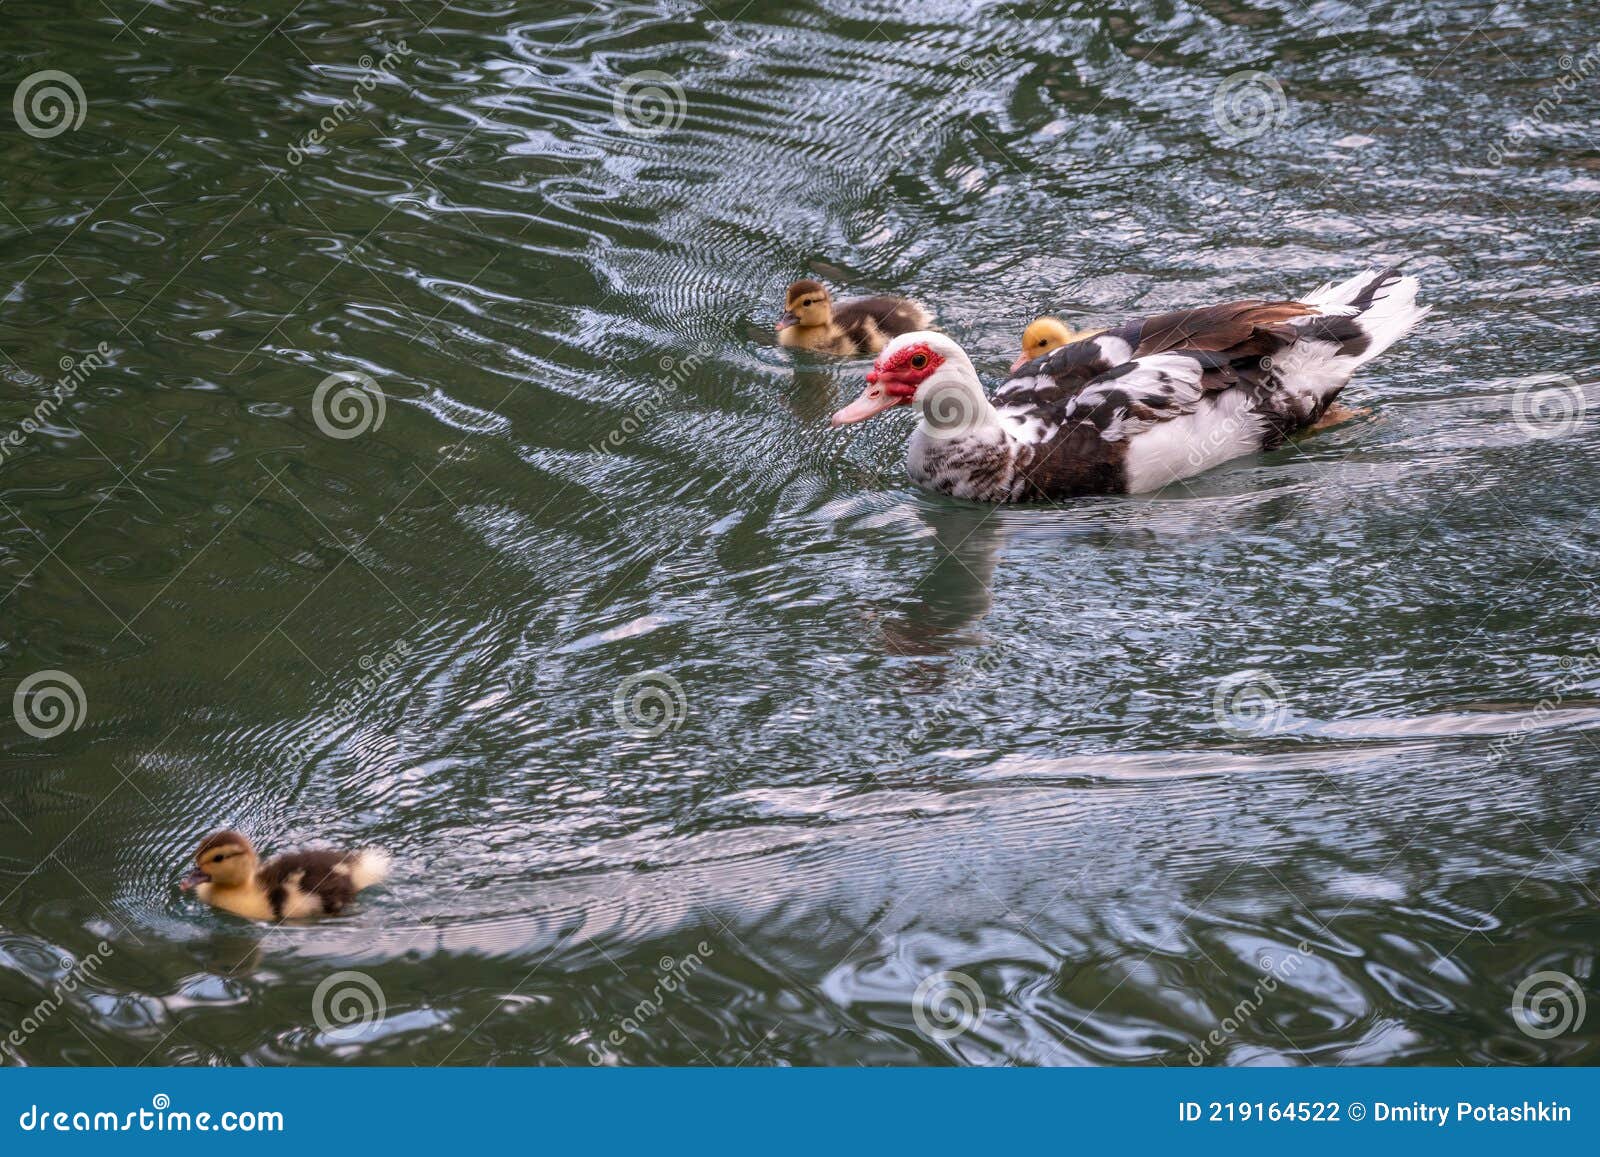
699 735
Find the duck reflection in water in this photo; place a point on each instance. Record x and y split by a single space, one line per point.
940 613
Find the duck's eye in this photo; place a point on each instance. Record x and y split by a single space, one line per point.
807 301
918 361
218 858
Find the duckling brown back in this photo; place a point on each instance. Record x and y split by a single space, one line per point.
858 327
229 874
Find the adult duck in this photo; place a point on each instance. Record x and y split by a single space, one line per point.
1138 406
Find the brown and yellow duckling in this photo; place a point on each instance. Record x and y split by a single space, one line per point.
229 875
864 325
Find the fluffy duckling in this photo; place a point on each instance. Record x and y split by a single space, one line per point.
1045 334
229 875
858 327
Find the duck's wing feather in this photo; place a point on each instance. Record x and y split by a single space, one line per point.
1235 329
1138 394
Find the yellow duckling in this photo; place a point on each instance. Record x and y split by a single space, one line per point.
855 328
229 875
1045 334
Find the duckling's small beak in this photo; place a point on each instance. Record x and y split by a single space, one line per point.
193 879
787 320
1020 362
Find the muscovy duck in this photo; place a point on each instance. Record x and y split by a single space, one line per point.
1139 406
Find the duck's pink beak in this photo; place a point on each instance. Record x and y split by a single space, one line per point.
885 390
873 400
1020 362
193 880
785 321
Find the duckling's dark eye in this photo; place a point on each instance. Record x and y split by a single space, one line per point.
218 858
807 301
918 361
1042 341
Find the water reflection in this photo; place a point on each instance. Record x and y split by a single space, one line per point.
943 609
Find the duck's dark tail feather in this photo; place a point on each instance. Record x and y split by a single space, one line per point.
1367 313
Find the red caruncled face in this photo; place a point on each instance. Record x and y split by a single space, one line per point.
893 381
903 371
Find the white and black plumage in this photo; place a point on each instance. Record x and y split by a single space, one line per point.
1141 405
